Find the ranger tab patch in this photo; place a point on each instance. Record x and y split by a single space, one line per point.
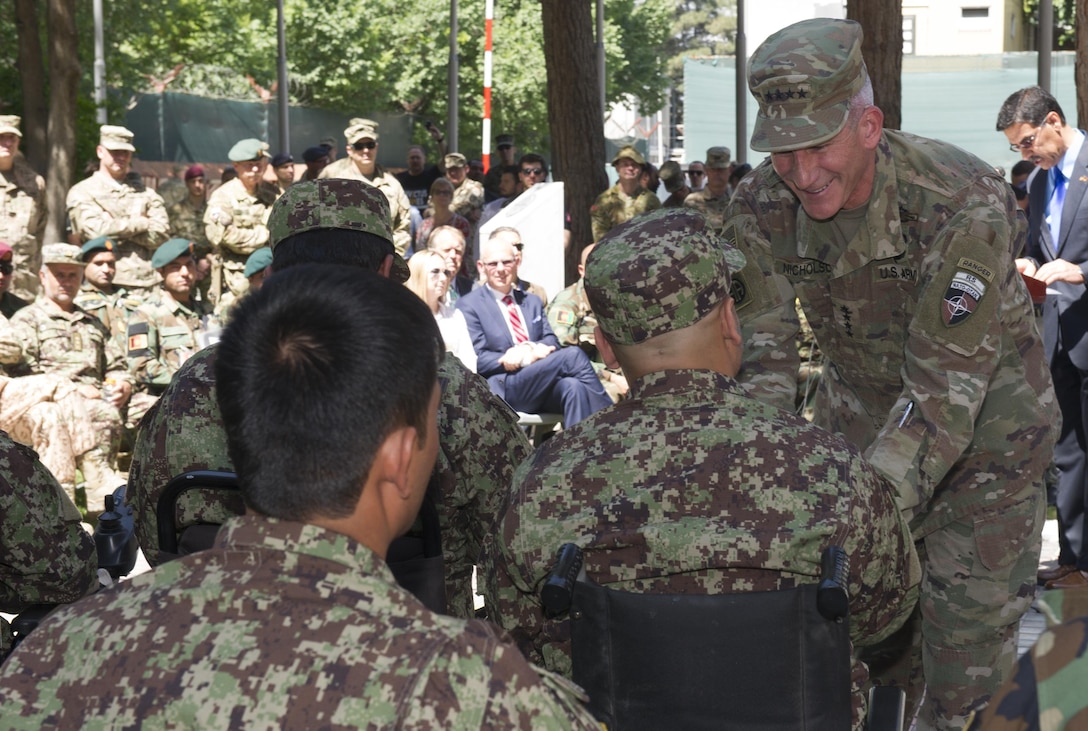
964 293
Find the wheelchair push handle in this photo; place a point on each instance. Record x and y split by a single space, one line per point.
558 589
832 596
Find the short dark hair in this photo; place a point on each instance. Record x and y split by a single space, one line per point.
342 246
533 157
1024 167
314 371
1030 105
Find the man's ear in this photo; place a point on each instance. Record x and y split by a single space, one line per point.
730 324
870 127
608 356
390 469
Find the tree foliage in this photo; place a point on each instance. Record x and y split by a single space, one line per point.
1065 22
700 28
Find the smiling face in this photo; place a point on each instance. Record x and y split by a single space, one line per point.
839 173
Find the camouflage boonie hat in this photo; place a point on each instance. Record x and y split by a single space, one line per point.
361 129
171 250
629 153
113 137
102 243
258 260
248 149
455 160
803 77
717 158
62 254
657 273
672 176
334 203
9 125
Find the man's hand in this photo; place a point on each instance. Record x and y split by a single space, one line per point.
1026 267
1060 270
512 359
540 351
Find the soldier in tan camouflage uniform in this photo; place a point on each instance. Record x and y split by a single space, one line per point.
23 210
59 338
900 250
235 221
362 164
627 198
110 203
468 195
479 439
297 592
48 557
689 486
573 323
167 329
712 199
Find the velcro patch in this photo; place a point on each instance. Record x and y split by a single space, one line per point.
564 317
739 291
137 339
962 297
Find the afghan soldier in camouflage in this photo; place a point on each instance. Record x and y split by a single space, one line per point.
110 203
573 323
236 221
900 250
97 295
60 339
713 198
167 329
627 198
297 591
23 211
689 486
187 215
48 557
362 164
479 439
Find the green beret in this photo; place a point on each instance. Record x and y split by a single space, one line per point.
170 251
258 260
250 149
102 243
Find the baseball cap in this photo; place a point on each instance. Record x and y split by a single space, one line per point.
102 243
671 176
248 149
803 78
62 254
9 125
504 141
657 273
258 260
334 203
171 250
717 158
361 129
113 137
629 153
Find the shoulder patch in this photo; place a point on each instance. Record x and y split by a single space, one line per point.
137 339
962 297
564 317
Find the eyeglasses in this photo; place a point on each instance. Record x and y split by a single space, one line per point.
532 171
1028 142
364 145
6 267
519 246
442 191
441 273
695 173
504 263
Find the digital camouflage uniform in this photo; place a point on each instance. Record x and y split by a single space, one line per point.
688 486
280 625
572 322
613 207
128 212
711 207
934 368
399 206
1046 691
236 226
23 215
48 557
480 444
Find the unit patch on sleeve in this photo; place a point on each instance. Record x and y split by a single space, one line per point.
962 297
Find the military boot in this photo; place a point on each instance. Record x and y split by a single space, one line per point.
99 480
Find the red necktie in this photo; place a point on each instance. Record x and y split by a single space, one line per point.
520 336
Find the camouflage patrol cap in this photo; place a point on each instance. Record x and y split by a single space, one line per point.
248 149
102 243
333 203
361 129
9 125
629 153
657 273
113 137
171 250
803 77
455 160
717 158
258 260
672 176
62 254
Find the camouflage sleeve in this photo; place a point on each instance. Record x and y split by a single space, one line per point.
11 349
144 354
36 226
600 218
563 320
482 444
26 333
652 203
116 366
402 221
48 557
241 232
90 220
765 306
158 222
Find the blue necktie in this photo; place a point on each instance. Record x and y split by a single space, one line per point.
1054 211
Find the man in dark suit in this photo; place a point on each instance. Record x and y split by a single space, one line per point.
1057 254
516 349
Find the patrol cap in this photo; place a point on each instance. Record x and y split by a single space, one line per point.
803 78
455 160
194 171
113 137
258 260
9 125
656 273
334 203
280 159
717 158
171 250
62 254
361 129
504 141
630 153
672 176
248 149
102 243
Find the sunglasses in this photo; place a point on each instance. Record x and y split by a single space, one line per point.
6 267
695 173
441 273
364 145
532 171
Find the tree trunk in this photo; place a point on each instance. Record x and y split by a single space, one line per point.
32 76
882 48
1080 70
63 87
575 118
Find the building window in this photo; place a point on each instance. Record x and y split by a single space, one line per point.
975 12
909 46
